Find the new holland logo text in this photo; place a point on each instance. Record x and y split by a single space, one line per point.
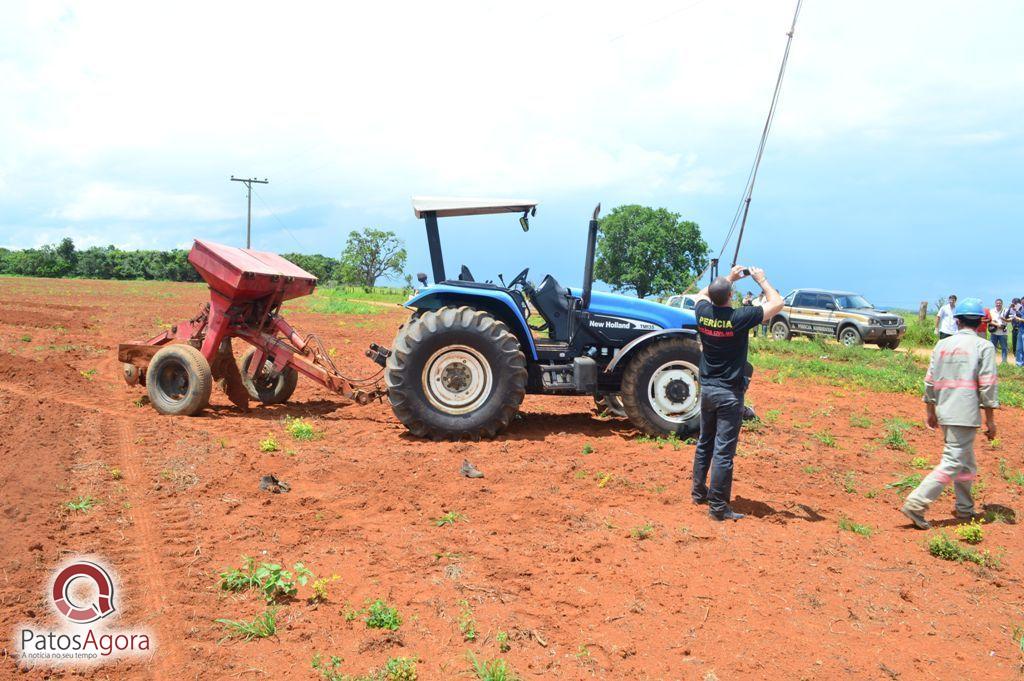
82 595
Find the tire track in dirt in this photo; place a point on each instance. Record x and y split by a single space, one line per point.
147 540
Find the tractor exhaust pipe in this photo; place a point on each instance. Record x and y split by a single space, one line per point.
588 270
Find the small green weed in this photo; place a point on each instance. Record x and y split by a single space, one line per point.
263 626
449 518
271 579
642 532
88 374
116 474
82 503
269 444
320 588
587 448
894 438
501 638
380 615
491 670
850 482
1009 475
826 438
467 625
857 528
906 485
300 429
772 415
941 546
811 470
919 462
670 440
860 421
754 425
971 533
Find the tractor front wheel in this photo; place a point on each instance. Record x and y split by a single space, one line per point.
661 388
455 373
268 386
179 380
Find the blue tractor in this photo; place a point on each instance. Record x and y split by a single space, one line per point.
460 366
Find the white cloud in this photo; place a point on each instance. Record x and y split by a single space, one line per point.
99 201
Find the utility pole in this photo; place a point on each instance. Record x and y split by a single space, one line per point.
248 220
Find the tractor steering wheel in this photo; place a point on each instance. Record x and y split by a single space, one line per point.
519 279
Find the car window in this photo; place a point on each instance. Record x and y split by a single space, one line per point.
673 301
804 299
689 303
825 301
788 300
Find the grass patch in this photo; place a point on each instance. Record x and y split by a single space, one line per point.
263 626
82 503
829 363
811 470
1009 475
857 528
941 546
860 421
353 300
669 440
490 670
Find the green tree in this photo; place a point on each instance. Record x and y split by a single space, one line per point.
370 255
650 251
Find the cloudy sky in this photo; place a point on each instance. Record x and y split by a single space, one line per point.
894 167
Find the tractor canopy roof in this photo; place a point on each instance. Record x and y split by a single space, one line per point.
446 207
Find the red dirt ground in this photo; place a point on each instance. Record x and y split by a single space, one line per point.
545 552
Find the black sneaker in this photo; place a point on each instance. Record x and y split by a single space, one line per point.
700 502
728 514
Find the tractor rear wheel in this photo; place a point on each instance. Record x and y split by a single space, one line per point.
269 386
455 373
611 403
661 388
179 380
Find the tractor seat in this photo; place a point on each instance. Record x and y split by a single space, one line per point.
552 302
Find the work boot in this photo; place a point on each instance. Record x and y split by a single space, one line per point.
703 501
916 517
469 470
960 515
727 514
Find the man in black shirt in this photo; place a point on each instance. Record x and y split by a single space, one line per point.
724 334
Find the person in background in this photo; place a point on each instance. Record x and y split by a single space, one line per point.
760 301
1011 315
724 335
945 325
997 324
748 299
961 381
1018 327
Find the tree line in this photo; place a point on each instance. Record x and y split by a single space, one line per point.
368 256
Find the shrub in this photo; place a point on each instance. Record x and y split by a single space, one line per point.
263 626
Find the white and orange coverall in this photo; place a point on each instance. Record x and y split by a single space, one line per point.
961 380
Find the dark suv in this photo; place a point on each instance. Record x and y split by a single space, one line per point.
847 317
